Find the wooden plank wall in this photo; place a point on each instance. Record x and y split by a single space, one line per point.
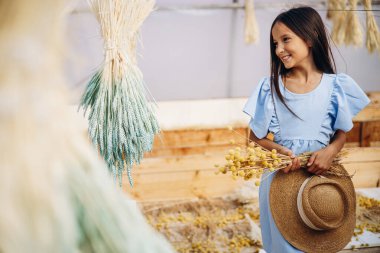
193 176
197 141
181 166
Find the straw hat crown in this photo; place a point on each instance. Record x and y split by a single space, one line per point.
324 203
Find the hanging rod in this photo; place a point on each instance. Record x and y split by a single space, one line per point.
242 6
317 5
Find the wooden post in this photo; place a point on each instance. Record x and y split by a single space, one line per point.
365 134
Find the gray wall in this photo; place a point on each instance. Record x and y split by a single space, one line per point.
200 54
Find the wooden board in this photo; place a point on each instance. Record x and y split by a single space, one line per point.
362 250
197 141
372 111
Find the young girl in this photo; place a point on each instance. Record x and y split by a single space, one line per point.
303 103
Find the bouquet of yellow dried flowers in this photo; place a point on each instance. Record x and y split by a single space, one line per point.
253 160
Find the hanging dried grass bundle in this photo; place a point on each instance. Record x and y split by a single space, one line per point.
332 7
373 34
255 160
354 32
55 195
122 123
338 33
251 27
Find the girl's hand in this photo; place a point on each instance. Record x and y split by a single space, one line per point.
321 160
295 165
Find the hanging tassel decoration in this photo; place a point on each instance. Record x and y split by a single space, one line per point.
122 123
251 27
373 35
338 33
354 32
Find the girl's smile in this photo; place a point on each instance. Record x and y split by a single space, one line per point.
292 50
285 58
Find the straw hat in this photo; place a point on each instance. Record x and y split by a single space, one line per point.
313 213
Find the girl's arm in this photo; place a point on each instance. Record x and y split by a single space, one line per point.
321 160
268 144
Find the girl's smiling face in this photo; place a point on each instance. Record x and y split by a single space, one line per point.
292 50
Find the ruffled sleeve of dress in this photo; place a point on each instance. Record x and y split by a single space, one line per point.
347 100
260 107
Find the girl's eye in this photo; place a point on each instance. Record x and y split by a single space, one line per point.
275 44
286 39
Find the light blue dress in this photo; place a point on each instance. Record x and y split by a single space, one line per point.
322 111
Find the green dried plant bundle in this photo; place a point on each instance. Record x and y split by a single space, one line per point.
122 122
254 160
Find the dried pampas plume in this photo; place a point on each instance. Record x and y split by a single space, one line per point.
354 32
338 33
251 27
373 34
332 7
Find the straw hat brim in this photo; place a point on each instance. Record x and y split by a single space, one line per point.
283 205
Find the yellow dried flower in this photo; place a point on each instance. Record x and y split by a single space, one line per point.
253 160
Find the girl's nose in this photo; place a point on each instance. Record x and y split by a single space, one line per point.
279 49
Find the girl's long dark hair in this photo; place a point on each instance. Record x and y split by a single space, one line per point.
307 24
